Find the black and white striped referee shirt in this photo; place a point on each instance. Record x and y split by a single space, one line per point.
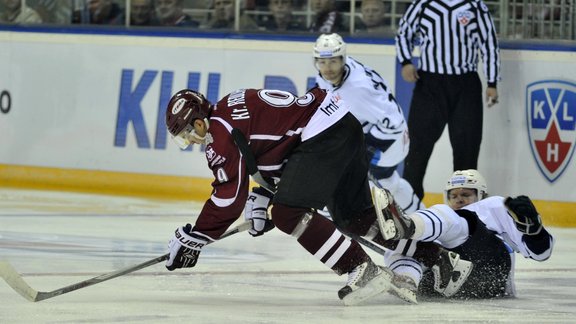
450 33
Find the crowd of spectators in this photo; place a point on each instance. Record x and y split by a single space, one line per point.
316 16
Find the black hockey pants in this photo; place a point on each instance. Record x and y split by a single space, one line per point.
438 100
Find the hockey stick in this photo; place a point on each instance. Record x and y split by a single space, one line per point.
14 280
242 144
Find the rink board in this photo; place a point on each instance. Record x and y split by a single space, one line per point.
85 112
554 213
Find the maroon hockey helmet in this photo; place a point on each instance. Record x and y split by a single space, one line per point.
185 107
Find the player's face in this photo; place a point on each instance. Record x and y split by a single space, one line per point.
460 197
192 134
331 69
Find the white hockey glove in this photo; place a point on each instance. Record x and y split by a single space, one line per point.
524 214
256 211
184 248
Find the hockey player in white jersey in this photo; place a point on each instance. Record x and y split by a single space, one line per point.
387 140
375 107
488 231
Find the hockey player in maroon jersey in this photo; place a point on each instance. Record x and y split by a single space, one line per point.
311 151
311 147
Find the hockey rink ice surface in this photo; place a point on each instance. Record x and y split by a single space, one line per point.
56 239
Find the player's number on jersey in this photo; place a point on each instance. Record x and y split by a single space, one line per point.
283 99
378 82
5 101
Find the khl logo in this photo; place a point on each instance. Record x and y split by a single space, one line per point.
551 114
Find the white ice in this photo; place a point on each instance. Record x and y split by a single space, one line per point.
56 239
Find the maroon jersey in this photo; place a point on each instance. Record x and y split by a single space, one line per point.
274 122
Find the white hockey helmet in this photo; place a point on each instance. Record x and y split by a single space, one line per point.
469 179
329 45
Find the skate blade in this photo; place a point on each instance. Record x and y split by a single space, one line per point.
376 286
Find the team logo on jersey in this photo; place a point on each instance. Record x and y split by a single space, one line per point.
551 117
213 157
464 17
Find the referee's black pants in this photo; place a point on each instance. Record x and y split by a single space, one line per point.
438 100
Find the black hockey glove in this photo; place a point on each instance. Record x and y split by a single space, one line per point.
184 248
524 214
256 211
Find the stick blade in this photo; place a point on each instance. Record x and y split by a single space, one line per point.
14 280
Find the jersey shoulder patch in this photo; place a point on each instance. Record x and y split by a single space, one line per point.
214 158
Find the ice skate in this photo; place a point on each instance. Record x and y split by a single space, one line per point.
393 222
404 288
365 281
450 273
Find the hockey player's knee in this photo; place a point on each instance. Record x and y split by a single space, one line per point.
441 223
290 219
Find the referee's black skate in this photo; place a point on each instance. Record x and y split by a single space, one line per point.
365 281
450 273
393 222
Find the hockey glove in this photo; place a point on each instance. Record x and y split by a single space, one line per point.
184 248
524 214
256 211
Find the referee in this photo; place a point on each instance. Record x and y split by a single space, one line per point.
452 35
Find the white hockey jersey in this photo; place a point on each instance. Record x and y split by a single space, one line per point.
492 212
374 105
369 95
